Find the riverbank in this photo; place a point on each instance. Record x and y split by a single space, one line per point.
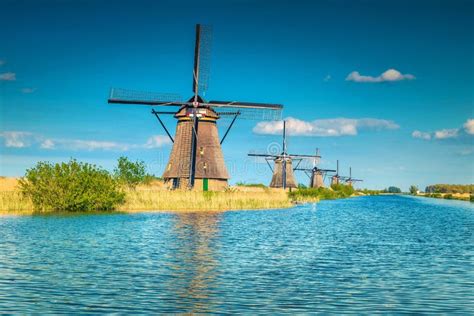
155 197
448 196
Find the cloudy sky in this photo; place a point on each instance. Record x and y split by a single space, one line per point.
384 86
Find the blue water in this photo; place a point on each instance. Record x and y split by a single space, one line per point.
369 254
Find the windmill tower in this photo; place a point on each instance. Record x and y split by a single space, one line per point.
315 174
351 180
336 179
283 176
196 158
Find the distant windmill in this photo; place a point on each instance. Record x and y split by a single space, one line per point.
350 180
315 174
283 176
197 152
336 179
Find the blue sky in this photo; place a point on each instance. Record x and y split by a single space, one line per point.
326 61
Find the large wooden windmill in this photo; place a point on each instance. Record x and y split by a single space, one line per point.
196 157
283 176
316 175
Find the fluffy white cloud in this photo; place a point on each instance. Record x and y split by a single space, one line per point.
388 75
157 141
16 139
8 76
469 126
47 144
421 135
446 133
26 139
28 90
465 131
90 145
324 127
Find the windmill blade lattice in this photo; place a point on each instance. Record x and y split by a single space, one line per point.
128 96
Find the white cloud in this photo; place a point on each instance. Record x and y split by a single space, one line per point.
388 75
47 144
469 126
28 90
90 145
2 62
323 127
20 139
466 152
16 139
421 135
157 141
446 133
327 78
8 76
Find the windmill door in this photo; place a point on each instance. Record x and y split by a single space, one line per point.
205 184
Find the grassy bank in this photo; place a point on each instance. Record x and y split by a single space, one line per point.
449 196
155 196
193 200
305 195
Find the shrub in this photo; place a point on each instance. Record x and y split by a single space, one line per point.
131 173
448 196
72 186
393 189
310 194
413 190
251 185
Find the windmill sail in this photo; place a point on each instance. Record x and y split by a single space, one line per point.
127 96
202 58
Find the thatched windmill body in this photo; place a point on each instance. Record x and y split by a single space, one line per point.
283 176
196 157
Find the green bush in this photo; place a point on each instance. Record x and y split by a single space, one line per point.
450 188
131 173
72 186
251 185
335 192
413 190
370 192
393 189
448 196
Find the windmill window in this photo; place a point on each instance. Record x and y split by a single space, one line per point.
205 166
201 151
169 166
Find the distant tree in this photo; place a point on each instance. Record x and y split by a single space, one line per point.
394 190
131 173
301 186
450 188
413 189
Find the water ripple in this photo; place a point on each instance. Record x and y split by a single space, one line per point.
369 254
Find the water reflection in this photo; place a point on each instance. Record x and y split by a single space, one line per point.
194 266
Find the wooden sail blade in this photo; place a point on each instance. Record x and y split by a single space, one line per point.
126 96
304 156
244 105
264 155
248 110
202 58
